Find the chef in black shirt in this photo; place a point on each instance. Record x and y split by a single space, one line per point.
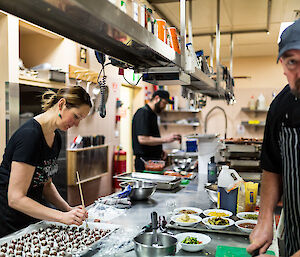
280 158
146 139
30 161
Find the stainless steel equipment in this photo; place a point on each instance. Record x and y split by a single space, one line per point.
140 190
144 248
163 182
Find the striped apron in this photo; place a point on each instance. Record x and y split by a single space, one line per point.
290 154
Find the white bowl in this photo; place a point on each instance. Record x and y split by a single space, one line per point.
205 222
186 224
241 215
228 213
197 210
193 247
246 230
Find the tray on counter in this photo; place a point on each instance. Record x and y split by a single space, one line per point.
200 227
162 181
34 232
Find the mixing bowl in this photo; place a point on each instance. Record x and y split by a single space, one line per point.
143 245
140 190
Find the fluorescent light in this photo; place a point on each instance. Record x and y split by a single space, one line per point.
283 26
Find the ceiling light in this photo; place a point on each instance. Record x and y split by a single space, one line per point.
283 26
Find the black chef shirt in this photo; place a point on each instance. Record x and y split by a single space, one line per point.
144 123
285 109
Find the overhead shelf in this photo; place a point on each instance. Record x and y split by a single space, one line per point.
181 111
252 124
102 26
254 111
195 124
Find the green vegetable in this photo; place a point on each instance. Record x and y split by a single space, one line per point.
191 240
251 216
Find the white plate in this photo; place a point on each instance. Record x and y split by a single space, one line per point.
228 213
206 223
186 224
241 215
247 230
193 247
197 210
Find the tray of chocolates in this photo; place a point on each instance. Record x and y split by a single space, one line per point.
55 239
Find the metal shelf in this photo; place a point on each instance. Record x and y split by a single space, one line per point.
246 123
181 111
254 111
176 124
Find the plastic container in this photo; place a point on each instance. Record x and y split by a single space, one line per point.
161 31
261 102
227 189
191 145
153 165
173 39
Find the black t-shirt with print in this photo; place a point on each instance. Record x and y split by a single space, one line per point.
144 123
27 145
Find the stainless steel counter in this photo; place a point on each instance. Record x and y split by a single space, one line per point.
139 215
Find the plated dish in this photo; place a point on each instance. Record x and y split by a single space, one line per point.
247 215
217 222
186 219
217 213
246 225
188 210
193 242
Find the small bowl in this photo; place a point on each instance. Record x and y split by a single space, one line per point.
186 224
197 210
206 223
243 215
193 247
246 230
207 212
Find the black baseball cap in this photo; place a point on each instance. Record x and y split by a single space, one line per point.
164 95
289 39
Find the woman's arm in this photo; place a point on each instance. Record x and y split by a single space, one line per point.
52 196
19 182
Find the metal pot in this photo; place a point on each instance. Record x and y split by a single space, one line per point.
140 190
143 245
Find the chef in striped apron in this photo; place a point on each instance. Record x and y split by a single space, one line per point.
280 159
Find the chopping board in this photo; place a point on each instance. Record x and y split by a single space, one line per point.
229 251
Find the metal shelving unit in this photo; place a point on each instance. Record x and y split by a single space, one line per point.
101 25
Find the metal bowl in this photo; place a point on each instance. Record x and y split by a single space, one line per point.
140 190
143 245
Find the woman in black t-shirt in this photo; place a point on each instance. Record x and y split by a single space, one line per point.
30 160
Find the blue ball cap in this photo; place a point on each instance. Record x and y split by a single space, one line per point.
289 39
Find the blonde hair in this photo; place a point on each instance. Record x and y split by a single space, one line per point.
75 96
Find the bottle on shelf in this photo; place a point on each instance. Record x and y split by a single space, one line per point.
261 102
252 104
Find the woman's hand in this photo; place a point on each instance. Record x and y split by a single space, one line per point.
75 216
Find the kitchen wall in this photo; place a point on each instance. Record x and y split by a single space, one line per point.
266 76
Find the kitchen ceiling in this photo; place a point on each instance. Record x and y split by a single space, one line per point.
235 15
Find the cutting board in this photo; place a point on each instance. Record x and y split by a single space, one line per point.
229 251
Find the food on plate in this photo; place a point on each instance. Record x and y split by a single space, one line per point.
186 218
247 225
188 212
217 221
217 214
191 240
251 216
154 165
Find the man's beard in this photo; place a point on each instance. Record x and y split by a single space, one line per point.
157 107
296 90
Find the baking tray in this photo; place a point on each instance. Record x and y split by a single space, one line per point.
45 224
162 181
